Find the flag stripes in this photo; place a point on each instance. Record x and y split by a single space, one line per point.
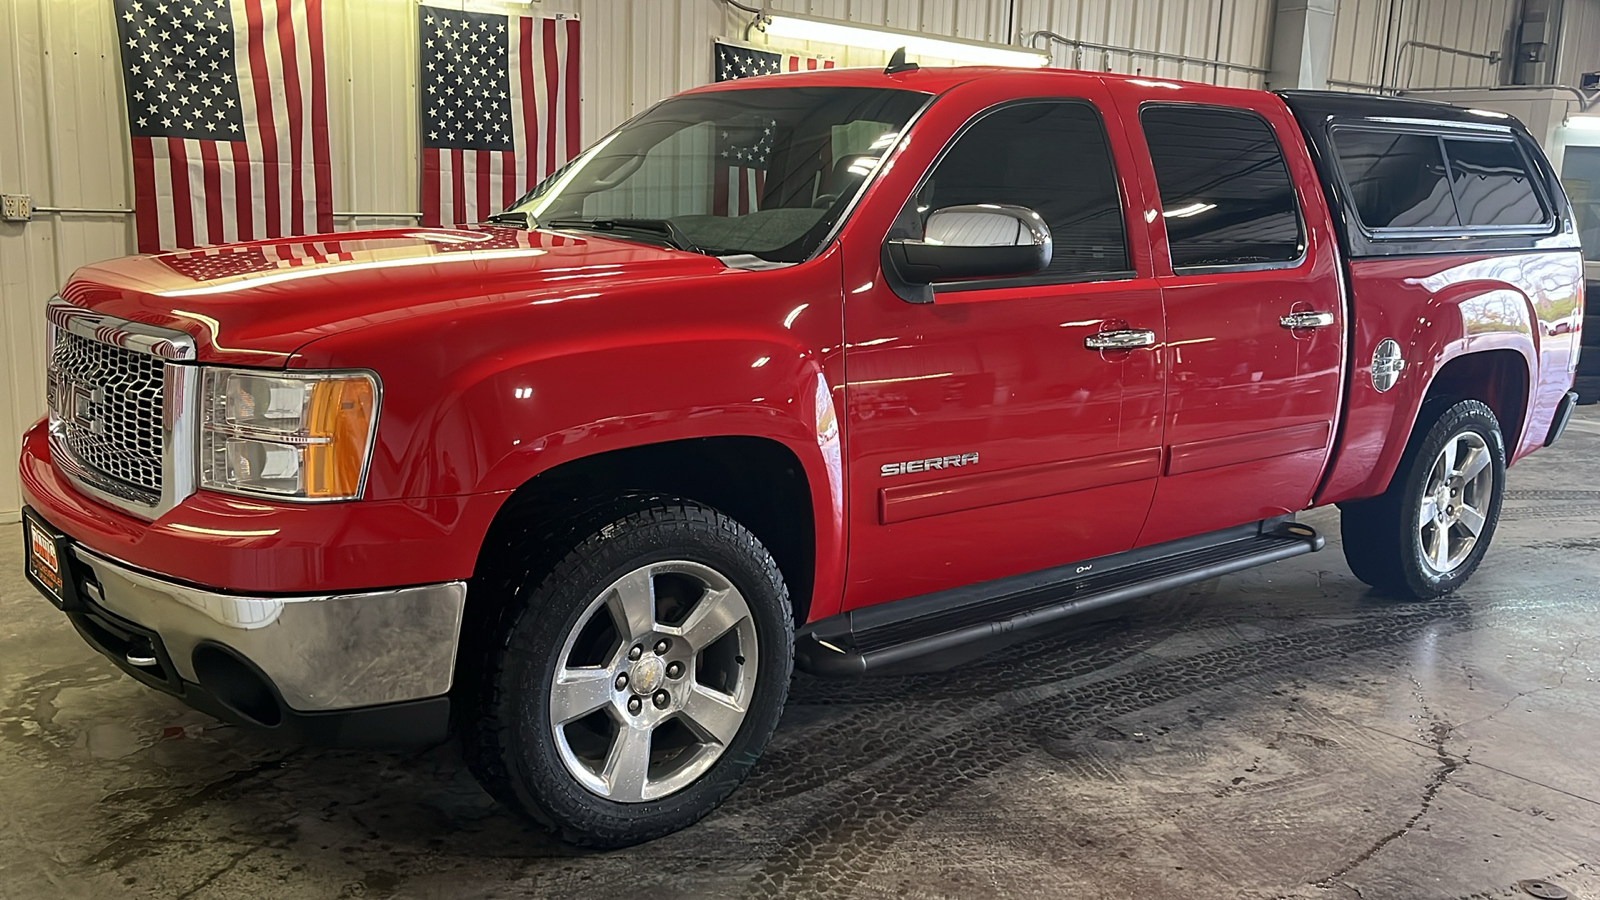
258 168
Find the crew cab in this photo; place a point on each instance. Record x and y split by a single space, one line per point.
835 369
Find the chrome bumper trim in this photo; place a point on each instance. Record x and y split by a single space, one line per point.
321 652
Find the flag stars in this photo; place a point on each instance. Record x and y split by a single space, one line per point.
172 48
466 80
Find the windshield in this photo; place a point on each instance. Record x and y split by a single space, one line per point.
761 171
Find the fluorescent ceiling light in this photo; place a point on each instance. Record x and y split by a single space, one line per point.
806 28
1193 209
1587 123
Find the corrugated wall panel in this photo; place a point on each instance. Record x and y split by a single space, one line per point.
1233 31
1374 43
66 143
1580 41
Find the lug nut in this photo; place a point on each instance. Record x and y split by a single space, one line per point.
634 705
622 681
636 652
662 698
661 646
675 670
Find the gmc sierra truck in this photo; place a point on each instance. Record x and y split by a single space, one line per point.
835 369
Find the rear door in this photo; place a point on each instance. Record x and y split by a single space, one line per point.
1254 315
985 438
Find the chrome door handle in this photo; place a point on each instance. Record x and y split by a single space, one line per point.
1125 339
1306 320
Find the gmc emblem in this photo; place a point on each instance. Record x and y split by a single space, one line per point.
83 406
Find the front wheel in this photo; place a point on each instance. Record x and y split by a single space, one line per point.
1427 534
638 680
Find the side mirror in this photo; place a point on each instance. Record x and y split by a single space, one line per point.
986 240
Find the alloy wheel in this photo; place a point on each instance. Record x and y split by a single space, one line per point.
1455 502
654 681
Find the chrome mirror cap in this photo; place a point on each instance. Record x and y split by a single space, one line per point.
964 243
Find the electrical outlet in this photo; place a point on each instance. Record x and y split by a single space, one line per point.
16 207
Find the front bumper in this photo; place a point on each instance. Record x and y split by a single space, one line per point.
368 668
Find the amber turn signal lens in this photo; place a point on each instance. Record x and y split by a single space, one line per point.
339 417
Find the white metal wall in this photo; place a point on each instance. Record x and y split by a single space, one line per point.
1233 31
1580 40
1373 42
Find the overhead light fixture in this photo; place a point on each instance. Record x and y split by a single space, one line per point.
1587 123
808 28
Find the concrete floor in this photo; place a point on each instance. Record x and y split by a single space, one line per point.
1279 733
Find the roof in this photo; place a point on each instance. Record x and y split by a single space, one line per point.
937 79
1311 105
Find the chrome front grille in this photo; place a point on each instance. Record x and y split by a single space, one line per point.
108 402
123 400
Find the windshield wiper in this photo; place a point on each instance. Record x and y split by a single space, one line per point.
674 235
519 219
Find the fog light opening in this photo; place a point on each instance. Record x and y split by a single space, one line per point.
236 685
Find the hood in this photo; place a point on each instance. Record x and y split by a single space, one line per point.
256 303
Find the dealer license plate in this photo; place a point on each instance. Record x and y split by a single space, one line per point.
46 553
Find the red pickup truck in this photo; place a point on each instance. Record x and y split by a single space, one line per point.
835 370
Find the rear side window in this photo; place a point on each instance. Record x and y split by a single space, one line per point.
1397 180
1052 157
1492 185
1409 180
1225 190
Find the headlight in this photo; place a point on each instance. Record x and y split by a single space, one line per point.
301 435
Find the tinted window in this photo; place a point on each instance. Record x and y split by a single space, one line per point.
1492 186
1052 158
1225 191
1397 180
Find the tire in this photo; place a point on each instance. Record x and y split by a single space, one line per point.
1393 541
704 571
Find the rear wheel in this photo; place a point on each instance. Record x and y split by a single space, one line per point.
1426 535
638 680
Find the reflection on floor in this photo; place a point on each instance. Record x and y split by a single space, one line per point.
1279 733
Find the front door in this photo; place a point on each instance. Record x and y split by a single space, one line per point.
1254 314
984 438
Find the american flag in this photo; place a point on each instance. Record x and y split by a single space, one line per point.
227 107
221 263
746 146
499 108
215 263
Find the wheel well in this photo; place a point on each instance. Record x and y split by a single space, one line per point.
756 481
1499 378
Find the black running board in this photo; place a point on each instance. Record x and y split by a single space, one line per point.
854 642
